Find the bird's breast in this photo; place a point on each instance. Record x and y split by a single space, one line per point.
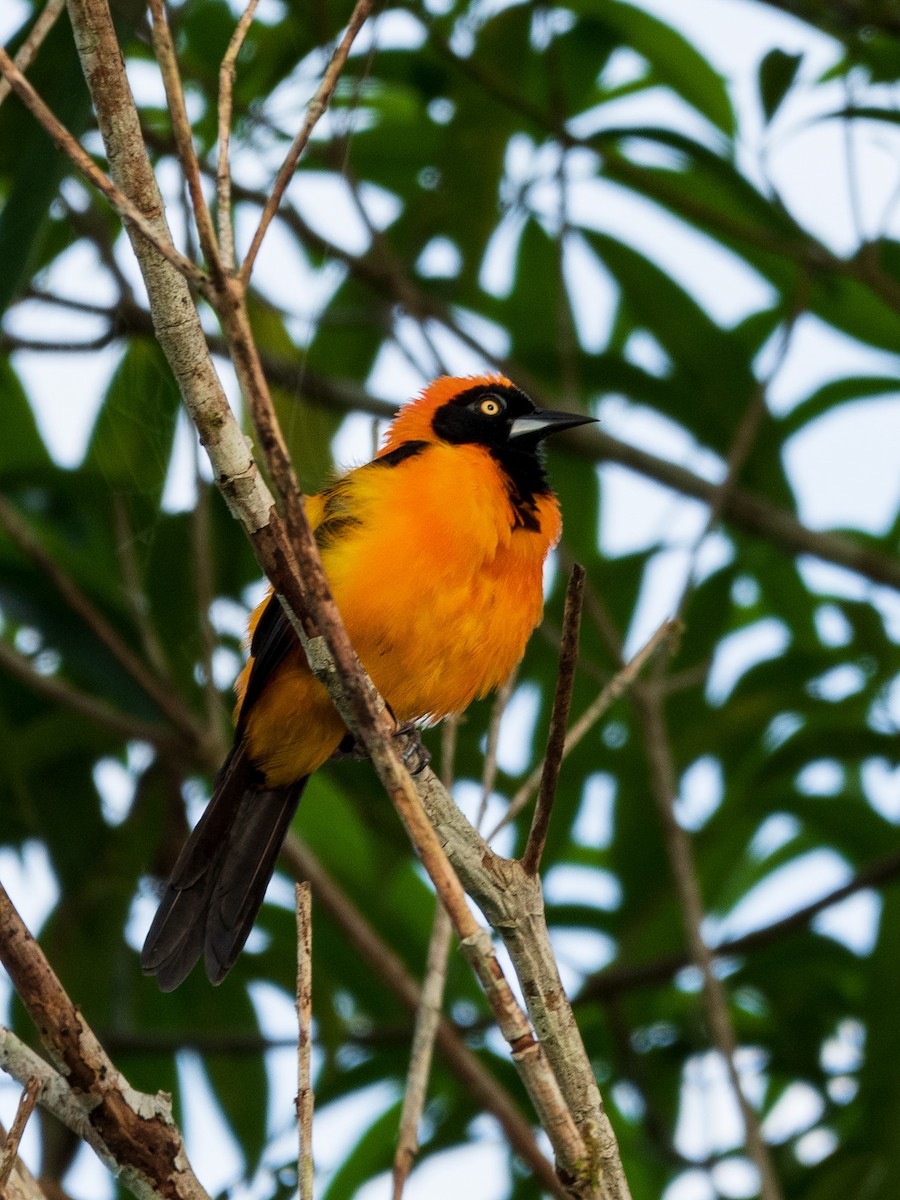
440 586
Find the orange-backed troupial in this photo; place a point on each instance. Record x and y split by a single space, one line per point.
434 552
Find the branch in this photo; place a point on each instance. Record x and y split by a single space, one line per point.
161 693
623 977
305 1098
663 782
92 173
227 72
296 572
96 711
10 1151
46 19
617 687
137 1131
314 111
387 966
428 1017
559 719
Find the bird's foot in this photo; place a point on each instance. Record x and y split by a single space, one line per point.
409 746
412 752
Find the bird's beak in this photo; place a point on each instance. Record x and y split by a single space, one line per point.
541 423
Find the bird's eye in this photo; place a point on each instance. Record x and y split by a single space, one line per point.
490 406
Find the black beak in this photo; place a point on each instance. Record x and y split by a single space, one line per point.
541 423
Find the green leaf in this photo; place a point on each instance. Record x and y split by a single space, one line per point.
676 62
777 72
21 448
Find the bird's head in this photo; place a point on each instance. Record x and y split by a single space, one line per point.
484 410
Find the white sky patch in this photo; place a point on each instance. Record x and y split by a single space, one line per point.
741 650
517 729
881 781
818 353
594 823
709 1120
582 885
700 792
854 922
718 280
845 467
214 1154
478 1172
800 882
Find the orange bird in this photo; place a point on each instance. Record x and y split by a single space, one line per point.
434 553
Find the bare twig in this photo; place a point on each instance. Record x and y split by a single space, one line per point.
427 1020
181 127
204 581
227 72
85 164
428 1012
45 21
305 1098
559 719
10 1150
389 968
617 686
314 111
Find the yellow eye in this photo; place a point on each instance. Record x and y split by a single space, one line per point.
490 406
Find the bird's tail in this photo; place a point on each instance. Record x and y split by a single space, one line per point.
221 875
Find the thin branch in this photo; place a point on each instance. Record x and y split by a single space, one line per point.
427 1021
202 538
305 1098
139 605
621 977
137 1130
45 21
92 173
389 968
314 110
181 127
621 682
163 696
227 72
52 688
559 719
10 1151
663 781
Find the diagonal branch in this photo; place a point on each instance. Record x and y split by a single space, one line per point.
76 153
46 19
227 72
314 111
559 719
137 1130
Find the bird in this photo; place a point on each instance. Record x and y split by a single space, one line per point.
434 552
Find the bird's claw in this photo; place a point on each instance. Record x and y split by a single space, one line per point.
413 754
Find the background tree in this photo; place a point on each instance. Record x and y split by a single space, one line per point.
458 206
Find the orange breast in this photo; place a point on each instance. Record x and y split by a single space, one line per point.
438 591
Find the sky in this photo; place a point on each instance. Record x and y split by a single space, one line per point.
845 471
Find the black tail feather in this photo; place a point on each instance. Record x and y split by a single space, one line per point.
220 878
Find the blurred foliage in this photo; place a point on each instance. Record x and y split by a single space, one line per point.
464 130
